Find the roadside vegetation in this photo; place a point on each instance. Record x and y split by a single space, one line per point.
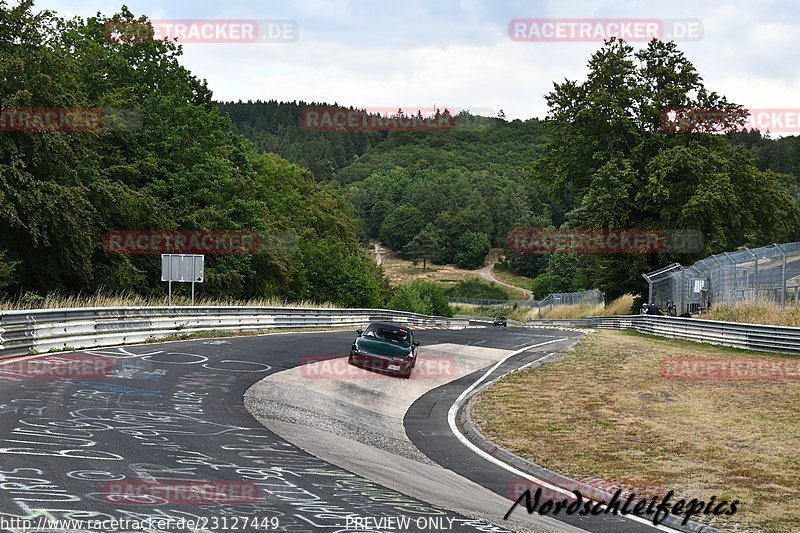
517 313
477 288
757 312
56 300
466 283
620 306
422 297
735 439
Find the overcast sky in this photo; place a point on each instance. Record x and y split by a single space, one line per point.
416 53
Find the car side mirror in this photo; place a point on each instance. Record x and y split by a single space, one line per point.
416 343
359 331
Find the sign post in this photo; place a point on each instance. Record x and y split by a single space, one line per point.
182 268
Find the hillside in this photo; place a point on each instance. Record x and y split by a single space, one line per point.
601 161
460 190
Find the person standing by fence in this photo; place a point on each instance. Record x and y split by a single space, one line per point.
654 309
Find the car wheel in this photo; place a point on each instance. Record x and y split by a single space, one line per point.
406 375
414 362
350 360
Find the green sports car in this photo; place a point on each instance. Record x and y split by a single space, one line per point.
385 347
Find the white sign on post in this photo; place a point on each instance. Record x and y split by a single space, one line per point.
185 268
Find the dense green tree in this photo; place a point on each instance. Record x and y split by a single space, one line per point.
472 249
401 225
424 245
609 166
173 163
7 269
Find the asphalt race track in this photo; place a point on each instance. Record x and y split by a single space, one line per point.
174 411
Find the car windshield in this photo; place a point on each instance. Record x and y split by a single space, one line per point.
388 333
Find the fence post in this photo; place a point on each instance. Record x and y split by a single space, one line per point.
783 276
733 265
755 279
649 288
721 276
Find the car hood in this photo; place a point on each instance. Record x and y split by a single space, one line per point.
381 347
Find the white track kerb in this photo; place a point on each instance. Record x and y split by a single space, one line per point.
451 421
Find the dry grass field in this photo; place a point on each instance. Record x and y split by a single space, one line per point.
608 409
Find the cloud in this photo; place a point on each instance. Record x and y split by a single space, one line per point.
457 52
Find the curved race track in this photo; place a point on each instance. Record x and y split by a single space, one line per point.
174 411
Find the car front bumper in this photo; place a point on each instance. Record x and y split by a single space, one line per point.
381 364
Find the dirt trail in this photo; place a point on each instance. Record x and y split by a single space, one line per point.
394 268
486 273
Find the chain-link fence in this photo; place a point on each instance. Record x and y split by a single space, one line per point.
592 297
769 273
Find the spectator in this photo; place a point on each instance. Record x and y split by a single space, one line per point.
643 310
654 309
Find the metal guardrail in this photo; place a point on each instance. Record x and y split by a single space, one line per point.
41 330
591 297
765 338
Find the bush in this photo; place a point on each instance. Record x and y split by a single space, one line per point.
477 288
330 273
420 296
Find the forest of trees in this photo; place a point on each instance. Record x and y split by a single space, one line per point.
275 127
182 169
442 196
598 161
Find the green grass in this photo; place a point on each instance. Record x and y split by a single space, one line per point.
506 276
